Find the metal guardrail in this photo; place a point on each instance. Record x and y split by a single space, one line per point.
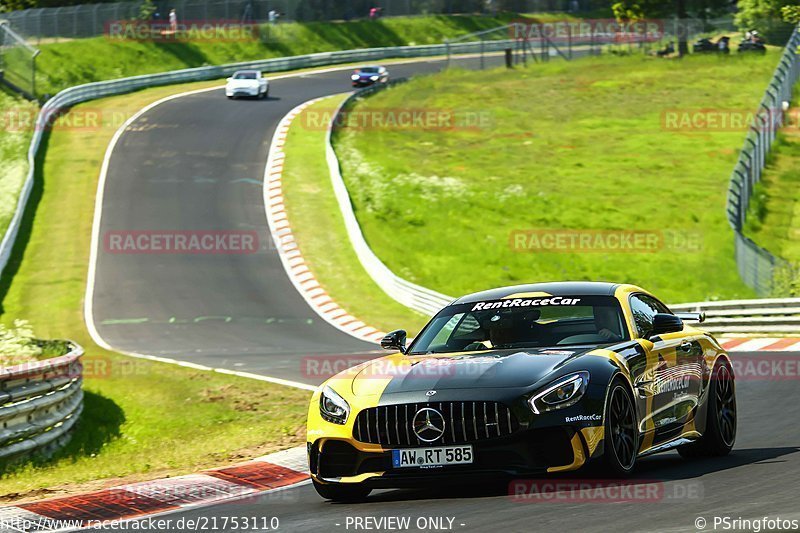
757 266
761 316
90 91
40 403
410 294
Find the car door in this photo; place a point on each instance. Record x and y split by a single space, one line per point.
669 385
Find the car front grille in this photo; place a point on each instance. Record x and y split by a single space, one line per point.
392 425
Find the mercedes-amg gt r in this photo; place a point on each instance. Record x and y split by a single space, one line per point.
521 381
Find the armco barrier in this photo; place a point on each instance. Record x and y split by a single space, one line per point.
758 266
90 91
407 293
39 403
763 316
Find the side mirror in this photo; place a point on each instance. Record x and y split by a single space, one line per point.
665 323
692 317
396 340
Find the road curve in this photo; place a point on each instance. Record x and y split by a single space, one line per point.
196 163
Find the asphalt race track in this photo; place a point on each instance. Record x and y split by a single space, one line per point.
196 163
758 479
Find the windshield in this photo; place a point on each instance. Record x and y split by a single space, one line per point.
369 70
244 76
528 322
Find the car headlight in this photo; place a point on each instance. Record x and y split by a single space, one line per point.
563 393
333 407
373 78
354 77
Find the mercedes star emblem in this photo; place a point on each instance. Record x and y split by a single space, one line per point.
428 424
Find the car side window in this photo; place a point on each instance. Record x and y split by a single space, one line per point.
643 313
656 304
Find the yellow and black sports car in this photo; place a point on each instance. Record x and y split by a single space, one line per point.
524 380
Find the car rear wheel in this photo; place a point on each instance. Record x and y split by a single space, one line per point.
621 431
341 492
720 431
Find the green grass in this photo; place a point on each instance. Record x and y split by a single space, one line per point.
68 63
311 205
141 419
16 127
573 146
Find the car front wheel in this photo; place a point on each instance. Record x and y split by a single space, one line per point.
342 492
621 431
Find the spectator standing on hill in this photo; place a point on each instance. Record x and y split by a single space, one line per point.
173 20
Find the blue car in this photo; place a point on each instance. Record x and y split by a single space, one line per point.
366 76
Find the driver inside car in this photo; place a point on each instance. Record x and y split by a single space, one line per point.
606 320
506 327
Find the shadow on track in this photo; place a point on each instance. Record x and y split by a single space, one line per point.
666 468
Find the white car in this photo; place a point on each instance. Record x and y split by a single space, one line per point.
247 83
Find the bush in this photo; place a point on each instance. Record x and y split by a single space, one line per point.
18 345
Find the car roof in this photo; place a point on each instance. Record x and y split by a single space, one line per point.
247 70
560 288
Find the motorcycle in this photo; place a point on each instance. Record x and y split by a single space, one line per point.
752 45
707 45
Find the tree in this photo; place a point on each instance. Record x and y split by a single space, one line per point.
766 16
676 9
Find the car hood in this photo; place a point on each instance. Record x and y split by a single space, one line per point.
486 369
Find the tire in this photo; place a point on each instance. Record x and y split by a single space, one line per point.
341 492
720 434
229 97
621 431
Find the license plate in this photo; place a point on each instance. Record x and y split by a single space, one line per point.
445 455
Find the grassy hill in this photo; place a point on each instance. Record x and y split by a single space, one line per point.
67 63
569 150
